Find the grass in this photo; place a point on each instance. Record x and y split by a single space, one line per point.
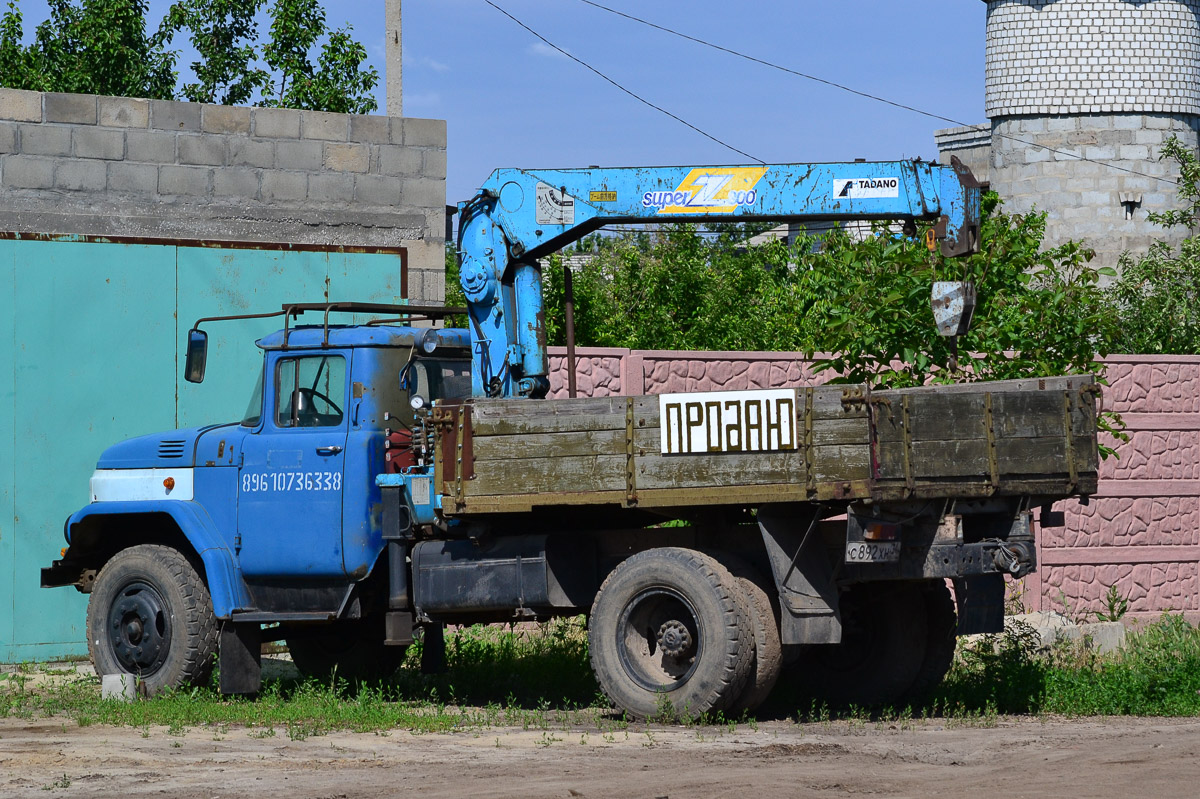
495 677
1157 674
539 679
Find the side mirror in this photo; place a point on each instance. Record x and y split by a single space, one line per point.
197 356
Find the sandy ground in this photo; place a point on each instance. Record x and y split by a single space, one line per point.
1017 758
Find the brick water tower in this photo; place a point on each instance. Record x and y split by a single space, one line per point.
1102 80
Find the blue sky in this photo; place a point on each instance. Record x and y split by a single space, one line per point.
511 101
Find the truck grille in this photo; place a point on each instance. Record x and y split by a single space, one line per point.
170 449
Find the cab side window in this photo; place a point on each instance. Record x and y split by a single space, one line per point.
310 391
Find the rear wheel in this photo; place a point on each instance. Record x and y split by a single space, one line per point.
941 624
768 651
669 627
884 645
150 615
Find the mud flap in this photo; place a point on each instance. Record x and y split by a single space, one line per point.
808 598
433 648
980 600
241 658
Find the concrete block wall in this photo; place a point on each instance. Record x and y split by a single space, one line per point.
1036 164
1141 532
113 166
971 144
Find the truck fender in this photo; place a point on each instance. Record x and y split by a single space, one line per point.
224 578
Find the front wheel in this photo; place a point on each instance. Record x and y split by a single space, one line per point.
150 615
669 629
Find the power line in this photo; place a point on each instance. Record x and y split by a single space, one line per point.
632 94
867 95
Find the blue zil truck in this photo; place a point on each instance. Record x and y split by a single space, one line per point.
393 477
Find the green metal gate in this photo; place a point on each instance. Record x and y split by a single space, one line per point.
91 336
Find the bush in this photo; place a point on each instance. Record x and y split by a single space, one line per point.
1157 674
1158 295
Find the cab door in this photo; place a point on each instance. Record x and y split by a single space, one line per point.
291 480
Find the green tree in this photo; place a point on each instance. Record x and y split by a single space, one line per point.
337 82
102 47
223 33
1039 311
865 300
1158 294
87 46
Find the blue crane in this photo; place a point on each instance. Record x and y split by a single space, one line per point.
521 215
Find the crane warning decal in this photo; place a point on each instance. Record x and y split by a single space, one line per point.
554 207
727 421
709 190
866 188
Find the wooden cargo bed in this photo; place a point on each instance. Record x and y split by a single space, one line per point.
1018 437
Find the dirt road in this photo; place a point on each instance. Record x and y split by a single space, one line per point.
1018 758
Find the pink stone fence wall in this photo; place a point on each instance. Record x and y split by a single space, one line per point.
1140 533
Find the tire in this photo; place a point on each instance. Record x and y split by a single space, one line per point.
150 615
884 645
768 651
353 650
767 665
941 623
691 604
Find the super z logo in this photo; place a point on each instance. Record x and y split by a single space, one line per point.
719 190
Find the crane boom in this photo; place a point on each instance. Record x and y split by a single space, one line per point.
520 215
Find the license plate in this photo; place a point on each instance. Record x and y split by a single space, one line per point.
863 552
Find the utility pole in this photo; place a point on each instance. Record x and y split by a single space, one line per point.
394 50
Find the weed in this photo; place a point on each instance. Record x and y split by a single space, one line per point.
1115 605
62 782
301 731
665 712
1076 615
1014 598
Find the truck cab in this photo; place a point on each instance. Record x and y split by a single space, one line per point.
277 514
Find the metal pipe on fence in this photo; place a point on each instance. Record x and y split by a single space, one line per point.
569 307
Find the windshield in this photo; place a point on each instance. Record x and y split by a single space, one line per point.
254 411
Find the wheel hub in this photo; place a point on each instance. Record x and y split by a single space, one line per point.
659 641
674 638
134 630
139 629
